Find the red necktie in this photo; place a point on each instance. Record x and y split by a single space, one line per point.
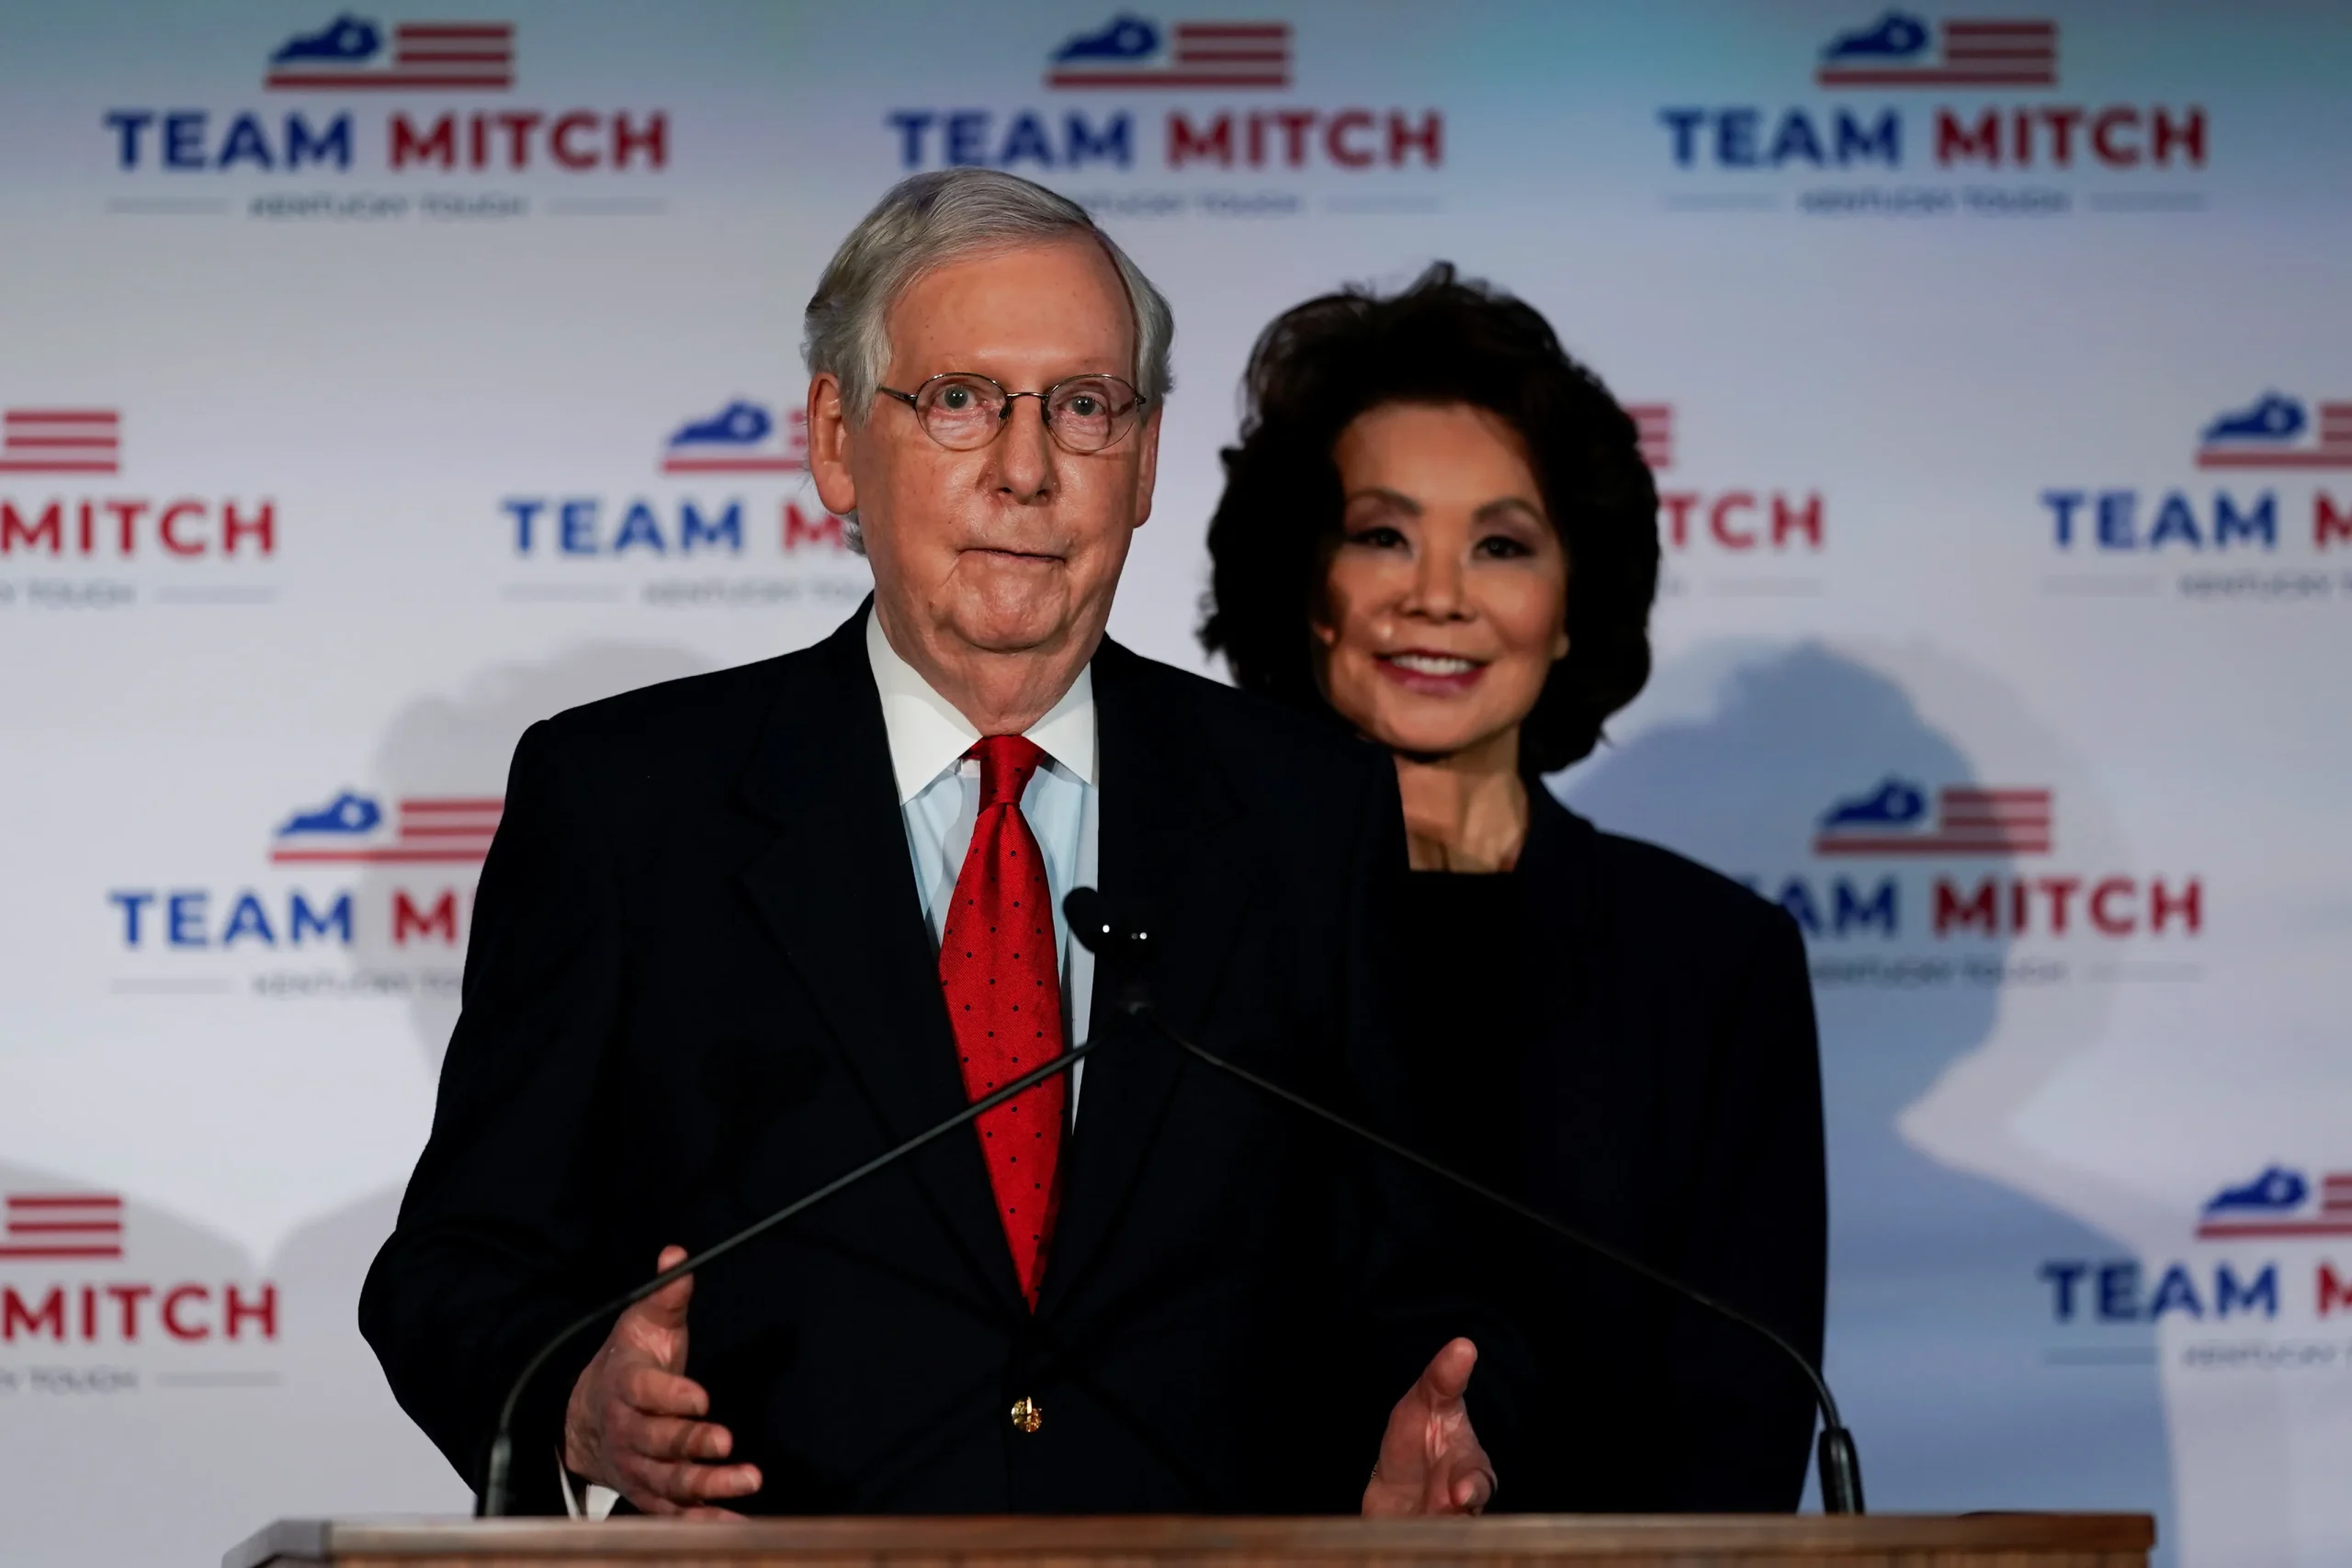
1004 997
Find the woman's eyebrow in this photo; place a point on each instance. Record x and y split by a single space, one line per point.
1382 493
1502 504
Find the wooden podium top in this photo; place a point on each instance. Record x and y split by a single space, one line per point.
1878 1540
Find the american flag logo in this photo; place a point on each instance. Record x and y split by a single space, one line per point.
57 1226
1130 51
353 53
352 829
1901 50
1893 820
2278 432
2279 1204
1654 432
61 441
741 438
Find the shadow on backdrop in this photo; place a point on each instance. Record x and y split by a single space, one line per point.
435 746
335 1441
1940 1343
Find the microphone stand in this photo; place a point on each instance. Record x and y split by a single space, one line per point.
496 1479
1840 1461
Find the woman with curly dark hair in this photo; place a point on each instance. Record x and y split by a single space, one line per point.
1437 529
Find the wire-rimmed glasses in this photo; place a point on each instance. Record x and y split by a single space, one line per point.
963 411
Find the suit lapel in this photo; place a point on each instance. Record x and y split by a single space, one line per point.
836 891
1169 864
1582 1066
1557 872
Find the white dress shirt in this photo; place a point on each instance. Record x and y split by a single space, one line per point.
939 800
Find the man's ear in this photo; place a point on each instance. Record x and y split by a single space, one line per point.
1147 466
829 446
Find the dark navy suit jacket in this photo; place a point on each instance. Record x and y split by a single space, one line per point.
1665 1096
700 983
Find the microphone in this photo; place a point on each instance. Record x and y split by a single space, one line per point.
491 1502
1126 950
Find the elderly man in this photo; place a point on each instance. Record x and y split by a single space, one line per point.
740 933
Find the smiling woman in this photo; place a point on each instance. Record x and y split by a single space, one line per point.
1354 402
1445 610
1437 529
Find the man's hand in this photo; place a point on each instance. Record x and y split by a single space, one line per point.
1429 1458
635 1422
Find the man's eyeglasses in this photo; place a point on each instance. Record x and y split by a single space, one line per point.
964 411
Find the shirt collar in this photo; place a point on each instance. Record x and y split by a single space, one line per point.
928 736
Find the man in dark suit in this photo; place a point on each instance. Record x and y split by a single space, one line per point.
740 933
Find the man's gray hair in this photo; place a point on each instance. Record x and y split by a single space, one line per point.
927 220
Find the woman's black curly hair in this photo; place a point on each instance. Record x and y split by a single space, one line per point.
1443 339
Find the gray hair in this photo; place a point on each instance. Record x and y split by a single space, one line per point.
927 220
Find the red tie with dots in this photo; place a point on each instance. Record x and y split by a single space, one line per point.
1004 996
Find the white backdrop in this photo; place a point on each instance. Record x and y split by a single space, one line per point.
370 389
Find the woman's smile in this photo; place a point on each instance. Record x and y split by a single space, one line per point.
1432 674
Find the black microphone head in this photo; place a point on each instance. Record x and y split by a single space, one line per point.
1089 921
1123 950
